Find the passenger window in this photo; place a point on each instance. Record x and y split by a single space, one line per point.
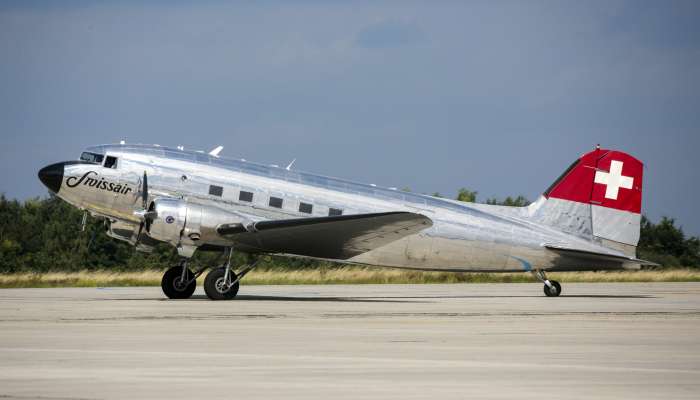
216 190
111 162
275 202
305 208
245 196
332 212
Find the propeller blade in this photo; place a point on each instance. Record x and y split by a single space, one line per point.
144 191
144 214
138 235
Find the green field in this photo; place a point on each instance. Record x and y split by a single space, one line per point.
341 275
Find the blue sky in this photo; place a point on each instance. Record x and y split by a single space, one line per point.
498 97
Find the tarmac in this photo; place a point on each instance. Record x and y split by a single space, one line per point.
480 341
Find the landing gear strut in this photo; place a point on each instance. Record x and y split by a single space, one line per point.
551 288
222 283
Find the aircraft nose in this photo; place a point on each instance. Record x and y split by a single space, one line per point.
52 176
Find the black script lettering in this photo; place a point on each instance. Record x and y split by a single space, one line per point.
70 181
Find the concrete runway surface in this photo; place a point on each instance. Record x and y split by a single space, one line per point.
490 341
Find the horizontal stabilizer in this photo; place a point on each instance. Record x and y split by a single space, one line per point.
594 255
336 237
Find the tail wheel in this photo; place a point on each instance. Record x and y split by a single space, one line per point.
553 291
175 287
217 287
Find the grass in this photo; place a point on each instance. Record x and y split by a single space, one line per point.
343 275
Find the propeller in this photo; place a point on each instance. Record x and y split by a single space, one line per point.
144 214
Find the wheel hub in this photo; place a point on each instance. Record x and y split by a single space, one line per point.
179 285
222 286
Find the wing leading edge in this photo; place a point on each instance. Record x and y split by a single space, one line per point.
337 237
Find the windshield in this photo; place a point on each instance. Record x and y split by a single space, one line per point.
91 157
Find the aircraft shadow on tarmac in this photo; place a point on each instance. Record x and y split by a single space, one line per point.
405 299
384 299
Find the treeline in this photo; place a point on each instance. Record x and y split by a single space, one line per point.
45 235
42 235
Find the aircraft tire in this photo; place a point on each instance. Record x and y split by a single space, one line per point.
213 285
554 291
170 281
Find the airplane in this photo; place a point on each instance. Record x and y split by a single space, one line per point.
588 219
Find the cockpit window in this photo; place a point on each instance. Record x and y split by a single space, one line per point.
111 162
91 157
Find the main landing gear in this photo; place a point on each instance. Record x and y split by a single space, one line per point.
221 283
551 288
179 282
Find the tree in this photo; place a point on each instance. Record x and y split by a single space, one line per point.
520 201
666 244
467 195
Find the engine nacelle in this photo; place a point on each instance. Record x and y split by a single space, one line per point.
186 224
169 220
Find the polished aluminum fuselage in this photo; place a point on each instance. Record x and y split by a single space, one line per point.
464 236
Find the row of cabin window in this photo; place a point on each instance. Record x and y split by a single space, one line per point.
276 202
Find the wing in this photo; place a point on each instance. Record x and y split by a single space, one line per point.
337 237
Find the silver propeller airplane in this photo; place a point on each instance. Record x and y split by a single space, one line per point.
588 219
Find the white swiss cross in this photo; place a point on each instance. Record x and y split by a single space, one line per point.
614 180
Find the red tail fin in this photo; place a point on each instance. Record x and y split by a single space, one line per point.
606 178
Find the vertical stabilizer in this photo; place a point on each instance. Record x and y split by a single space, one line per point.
599 196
